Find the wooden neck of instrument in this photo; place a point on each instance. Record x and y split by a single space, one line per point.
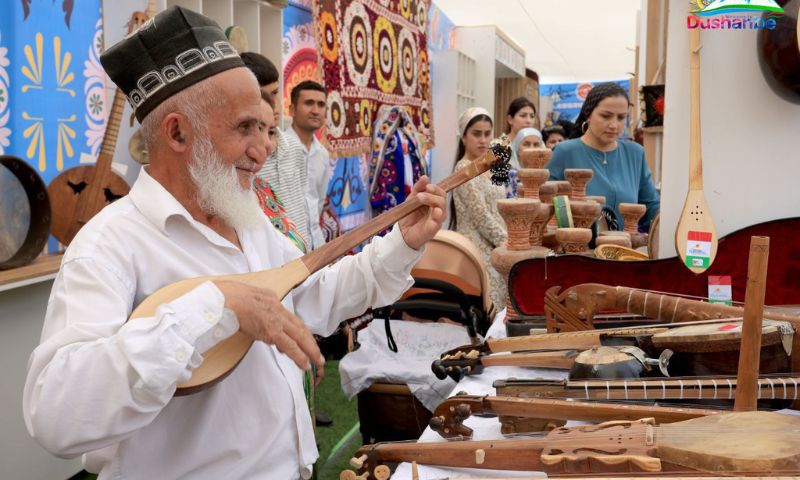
695 145
750 351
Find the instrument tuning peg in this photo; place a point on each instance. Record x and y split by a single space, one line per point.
439 370
382 472
663 361
358 462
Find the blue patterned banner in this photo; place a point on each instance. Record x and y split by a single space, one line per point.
52 93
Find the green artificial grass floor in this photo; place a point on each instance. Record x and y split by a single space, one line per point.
343 435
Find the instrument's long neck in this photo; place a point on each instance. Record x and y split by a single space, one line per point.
769 388
695 158
339 246
581 411
501 454
672 308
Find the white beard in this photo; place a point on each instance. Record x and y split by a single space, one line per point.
219 192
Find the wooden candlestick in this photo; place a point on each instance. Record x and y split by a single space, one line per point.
518 214
535 158
532 179
578 178
573 240
631 214
584 213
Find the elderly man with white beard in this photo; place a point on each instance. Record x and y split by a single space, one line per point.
102 387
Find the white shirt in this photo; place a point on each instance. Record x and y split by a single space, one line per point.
104 388
319 174
285 170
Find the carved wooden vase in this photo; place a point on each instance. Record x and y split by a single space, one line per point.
539 226
573 240
578 178
547 192
535 158
631 214
584 213
519 214
532 180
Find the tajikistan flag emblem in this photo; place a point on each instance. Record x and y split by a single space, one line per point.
698 249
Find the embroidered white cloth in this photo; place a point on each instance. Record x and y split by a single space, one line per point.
418 345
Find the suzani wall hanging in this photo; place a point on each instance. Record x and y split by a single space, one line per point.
374 56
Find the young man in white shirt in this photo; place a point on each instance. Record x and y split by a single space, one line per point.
308 109
101 386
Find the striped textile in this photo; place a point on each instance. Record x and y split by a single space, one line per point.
286 172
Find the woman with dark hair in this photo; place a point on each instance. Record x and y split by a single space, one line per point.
553 135
621 173
521 114
473 211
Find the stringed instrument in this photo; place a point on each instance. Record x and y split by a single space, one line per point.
79 193
711 338
221 359
695 235
448 418
740 443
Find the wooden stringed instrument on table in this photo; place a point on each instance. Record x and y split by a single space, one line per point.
221 359
740 443
695 237
79 193
448 418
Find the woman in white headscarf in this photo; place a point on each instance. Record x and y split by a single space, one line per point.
525 138
473 210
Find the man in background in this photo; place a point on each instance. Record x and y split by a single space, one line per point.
308 109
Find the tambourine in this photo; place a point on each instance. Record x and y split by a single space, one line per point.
24 213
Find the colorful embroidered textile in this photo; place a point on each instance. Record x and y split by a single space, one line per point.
273 209
374 54
395 163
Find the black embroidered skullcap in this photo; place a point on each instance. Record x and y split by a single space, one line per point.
172 51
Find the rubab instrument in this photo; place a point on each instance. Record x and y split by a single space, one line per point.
220 360
79 193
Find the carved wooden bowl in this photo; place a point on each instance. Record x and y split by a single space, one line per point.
632 213
518 214
578 178
573 240
584 213
619 240
534 157
532 180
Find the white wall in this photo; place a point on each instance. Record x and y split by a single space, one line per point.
21 316
479 44
750 155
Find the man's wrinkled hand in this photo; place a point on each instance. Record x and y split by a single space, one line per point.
262 316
